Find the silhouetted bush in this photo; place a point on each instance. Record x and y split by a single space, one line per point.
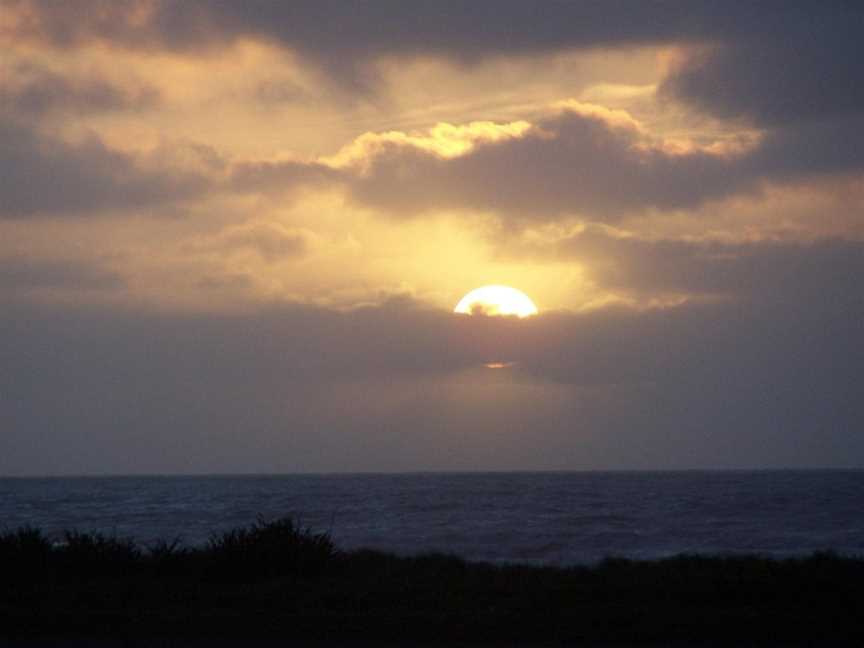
94 556
277 579
23 551
269 549
164 550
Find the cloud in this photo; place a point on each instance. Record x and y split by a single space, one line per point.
811 149
281 177
758 366
759 270
29 92
226 281
586 162
340 29
20 275
767 380
581 161
272 242
577 162
280 91
41 176
342 37
796 78
785 76
760 63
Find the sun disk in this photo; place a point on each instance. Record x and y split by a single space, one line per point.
496 300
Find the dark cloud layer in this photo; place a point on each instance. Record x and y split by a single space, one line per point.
578 164
806 72
798 78
769 380
567 164
332 29
809 149
755 270
338 30
772 59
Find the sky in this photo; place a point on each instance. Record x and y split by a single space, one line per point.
232 235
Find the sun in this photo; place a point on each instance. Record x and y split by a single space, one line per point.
496 300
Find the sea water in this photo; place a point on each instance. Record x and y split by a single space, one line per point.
539 518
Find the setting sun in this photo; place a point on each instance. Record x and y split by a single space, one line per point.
496 300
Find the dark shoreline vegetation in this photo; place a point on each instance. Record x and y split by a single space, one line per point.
276 580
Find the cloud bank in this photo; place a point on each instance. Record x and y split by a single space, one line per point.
760 382
199 257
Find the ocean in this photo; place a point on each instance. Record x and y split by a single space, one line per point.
538 518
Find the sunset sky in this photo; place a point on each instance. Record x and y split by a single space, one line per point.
232 235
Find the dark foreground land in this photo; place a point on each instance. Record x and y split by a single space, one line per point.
274 581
